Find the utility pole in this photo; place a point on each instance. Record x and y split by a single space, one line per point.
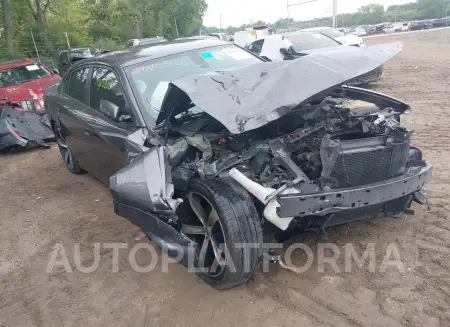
67 40
292 5
35 47
334 13
220 22
446 16
287 7
446 13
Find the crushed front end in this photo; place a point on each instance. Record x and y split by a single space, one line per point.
324 164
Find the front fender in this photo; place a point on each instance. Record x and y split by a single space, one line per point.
146 183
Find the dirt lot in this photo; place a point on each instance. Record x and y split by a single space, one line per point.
42 204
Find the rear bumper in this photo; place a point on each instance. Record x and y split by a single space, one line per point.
18 128
7 138
339 200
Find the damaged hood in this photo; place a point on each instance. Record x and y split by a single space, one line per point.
250 97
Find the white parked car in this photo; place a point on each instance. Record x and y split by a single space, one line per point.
220 36
393 28
361 31
242 38
405 27
352 40
397 27
295 45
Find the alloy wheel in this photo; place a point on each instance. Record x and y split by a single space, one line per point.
206 229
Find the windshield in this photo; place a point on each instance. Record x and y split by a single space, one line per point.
309 41
22 74
82 53
150 79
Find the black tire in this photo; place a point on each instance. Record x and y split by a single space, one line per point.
68 158
240 223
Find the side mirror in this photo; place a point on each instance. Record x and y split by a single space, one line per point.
284 51
110 110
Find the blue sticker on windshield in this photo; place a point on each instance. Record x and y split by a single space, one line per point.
207 55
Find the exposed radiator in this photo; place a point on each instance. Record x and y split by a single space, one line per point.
369 161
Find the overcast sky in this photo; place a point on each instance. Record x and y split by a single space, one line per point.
238 12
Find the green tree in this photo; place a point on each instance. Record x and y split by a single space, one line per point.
7 23
432 8
73 17
372 13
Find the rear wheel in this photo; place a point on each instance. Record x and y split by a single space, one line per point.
67 156
226 227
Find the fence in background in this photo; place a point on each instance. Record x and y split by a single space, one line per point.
33 46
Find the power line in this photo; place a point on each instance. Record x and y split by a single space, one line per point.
295 4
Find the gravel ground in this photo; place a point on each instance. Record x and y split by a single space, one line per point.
43 205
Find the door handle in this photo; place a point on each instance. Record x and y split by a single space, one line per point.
88 132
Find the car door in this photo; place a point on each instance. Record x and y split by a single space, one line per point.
104 138
70 109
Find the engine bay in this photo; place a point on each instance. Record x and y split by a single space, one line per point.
289 150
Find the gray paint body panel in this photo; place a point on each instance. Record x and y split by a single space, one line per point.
323 203
250 97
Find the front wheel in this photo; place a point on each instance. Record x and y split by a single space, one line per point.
226 227
67 156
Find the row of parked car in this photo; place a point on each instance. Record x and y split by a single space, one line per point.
382 28
210 148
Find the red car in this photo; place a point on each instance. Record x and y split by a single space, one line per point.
24 80
22 111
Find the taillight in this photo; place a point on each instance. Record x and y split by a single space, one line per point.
39 106
26 105
16 134
36 106
13 131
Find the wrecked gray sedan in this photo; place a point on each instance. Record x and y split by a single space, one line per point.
204 146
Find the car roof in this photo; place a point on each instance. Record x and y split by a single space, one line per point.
319 28
139 54
300 32
280 36
75 49
79 49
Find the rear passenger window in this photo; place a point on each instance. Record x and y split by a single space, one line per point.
77 86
